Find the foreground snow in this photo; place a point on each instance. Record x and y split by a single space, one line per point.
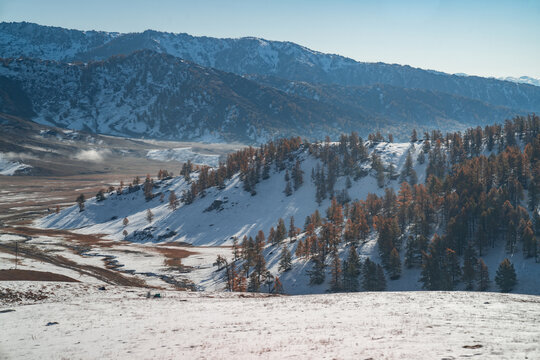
123 323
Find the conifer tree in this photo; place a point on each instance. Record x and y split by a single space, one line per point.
483 276
278 286
272 236
370 281
381 280
317 274
394 265
414 136
173 200
80 201
253 285
351 271
292 228
100 196
298 175
125 222
506 276
149 215
281 231
285 261
335 270
147 188
469 267
288 189
266 170
236 250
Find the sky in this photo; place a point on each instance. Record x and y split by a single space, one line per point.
485 38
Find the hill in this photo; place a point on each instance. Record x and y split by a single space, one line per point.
382 201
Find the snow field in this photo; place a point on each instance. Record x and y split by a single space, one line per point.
122 323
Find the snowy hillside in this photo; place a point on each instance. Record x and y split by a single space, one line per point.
222 215
74 318
152 95
8 167
256 56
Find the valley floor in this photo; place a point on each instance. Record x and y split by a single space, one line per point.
121 322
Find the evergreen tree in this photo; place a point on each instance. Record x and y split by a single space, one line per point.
100 196
421 157
173 200
335 270
292 228
381 280
266 170
414 136
298 175
285 261
317 274
80 201
125 221
483 276
149 215
370 278
506 276
348 183
394 265
253 285
469 267
236 250
281 231
351 271
288 189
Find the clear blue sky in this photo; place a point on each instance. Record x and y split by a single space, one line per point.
479 37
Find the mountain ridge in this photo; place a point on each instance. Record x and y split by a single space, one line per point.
257 56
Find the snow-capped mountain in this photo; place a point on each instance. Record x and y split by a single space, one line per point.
147 94
256 56
522 80
156 95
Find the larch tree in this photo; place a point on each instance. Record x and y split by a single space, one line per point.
483 276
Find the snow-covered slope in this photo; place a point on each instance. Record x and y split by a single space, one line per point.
256 56
122 323
147 94
221 215
183 155
8 167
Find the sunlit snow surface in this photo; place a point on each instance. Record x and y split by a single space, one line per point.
121 323
239 213
8 167
183 155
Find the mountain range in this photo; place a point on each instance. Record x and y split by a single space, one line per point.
177 86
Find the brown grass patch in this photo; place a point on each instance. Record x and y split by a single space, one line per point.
172 253
176 263
31 275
